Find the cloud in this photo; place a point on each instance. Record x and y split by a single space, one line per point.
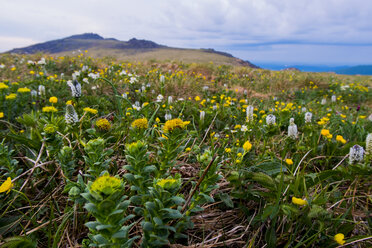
221 24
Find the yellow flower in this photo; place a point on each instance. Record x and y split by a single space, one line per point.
362 116
23 90
289 161
32 72
339 238
106 184
69 102
325 132
48 109
188 149
197 98
228 150
3 86
157 120
140 123
239 154
6 186
11 97
166 183
103 124
53 99
1 114
340 139
13 68
90 110
298 201
171 125
247 146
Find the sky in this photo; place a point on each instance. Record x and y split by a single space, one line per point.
327 32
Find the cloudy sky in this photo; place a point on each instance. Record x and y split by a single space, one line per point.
285 31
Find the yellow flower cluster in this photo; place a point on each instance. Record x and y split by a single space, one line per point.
323 121
326 133
103 124
90 110
170 181
171 125
11 97
339 238
298 201
1 115
3 86
140 123
341 139
106 184
48 109
247 146
53 99
6 186
23 90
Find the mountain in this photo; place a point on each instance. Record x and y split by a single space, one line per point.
360 69
131 50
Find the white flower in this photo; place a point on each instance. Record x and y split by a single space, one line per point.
214 107
202 115
344 87
324 101
93 75
143 88
205 88
170 99
132 80
148 85
275 98
41 61
370 117
369 144
30 62
41 90
249 111
245 92
125 95
162 79
85 80
244 128
292 129
123 73
333 98
356 154
75 88
303 109
85 68
168 117
159 98
180 99
270 119
308 117
33 93
71 116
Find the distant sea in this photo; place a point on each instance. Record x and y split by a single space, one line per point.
342 69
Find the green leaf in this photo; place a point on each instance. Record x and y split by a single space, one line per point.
92 224
172 213
102 227
147 226
226 199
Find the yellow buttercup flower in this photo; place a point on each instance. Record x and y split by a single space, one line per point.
3 86
140 123
339 238
289 161
23 90
11 96
48 109
325 133
299 201
1 115
6 186
340 139
69 102
247 146
53 99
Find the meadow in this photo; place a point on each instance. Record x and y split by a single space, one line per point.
103 153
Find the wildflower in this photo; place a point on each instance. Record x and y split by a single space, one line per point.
162 78
239 155
368 144
140 123
333 98
53 99
103 124
69 102
197 98
340 139
3 86
106 185
6 186
23 90
75 88
48 109
339 238
188 149
244 128
49 128
299 201
202 115
33 93
167 116
159 98
170 99
249 111
326 133
324 101
71 116
270 119
292 129
356 154
125 95
308 117
370 117
171 125
90 110
166 183
304 110
227 150
41 90
11 96
247 146
1 115
289 161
